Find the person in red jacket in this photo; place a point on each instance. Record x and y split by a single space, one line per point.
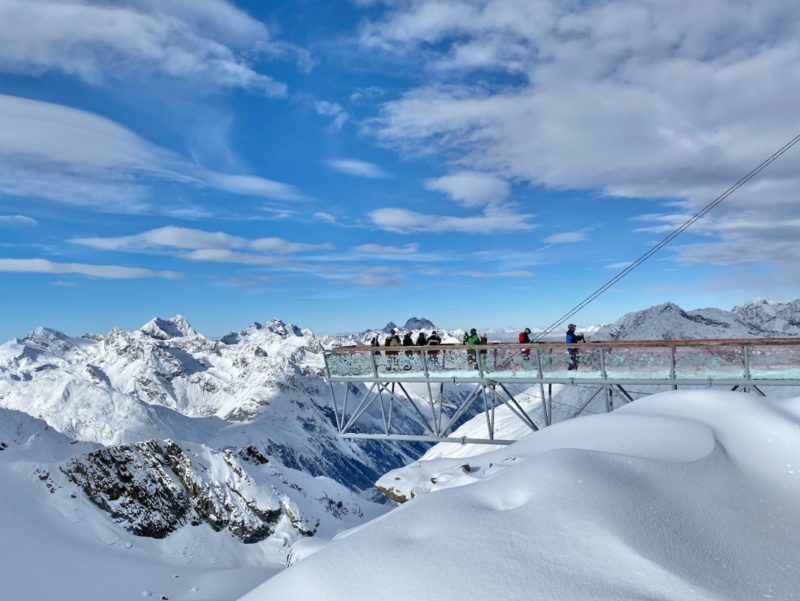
524 338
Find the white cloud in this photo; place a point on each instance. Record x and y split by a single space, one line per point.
67 155
325 217
194 41
470 188
250 185
491 221
371 280
565 238
16 220
333 110
379 249
357 168
171 237
97 271
621 265
493 274
223 255
639 99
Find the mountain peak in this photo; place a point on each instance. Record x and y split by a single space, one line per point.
419 323
176 326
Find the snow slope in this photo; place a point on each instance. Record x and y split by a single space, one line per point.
57 544
682 495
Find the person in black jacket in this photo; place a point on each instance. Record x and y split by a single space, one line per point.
573 338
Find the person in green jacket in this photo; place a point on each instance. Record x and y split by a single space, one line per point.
472 340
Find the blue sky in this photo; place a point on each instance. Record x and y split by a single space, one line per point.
343 164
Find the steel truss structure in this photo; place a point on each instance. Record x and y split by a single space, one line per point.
491 370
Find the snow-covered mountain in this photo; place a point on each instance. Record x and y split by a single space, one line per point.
757 319
263 385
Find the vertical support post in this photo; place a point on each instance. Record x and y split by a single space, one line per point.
606 387
746 359
547 406
434 423
374 365
489 420
333 394
383 410
344 404
672 366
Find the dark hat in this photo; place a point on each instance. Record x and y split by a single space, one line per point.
527 330
473 331
571 326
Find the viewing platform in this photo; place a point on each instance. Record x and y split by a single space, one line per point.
746 364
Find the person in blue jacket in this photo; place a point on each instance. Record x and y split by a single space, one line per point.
573 338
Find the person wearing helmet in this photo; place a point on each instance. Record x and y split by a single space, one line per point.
573 338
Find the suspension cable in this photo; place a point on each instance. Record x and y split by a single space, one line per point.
686 225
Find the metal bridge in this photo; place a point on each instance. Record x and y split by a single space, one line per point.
490 373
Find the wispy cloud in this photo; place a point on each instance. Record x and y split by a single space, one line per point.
194 41
194 239
565 238
379 249
96 271
17 220
331 109
490 221
67 155
357 168
621 265
493 274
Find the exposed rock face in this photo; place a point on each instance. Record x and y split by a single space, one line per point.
163 329
419 323
153 488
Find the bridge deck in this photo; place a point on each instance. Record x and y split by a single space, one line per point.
610 365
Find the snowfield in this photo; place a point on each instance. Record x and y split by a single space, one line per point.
681 495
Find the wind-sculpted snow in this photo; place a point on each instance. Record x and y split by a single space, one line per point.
681 495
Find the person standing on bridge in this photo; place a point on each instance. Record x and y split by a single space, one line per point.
434 340
573 338
392 339
472 340
525 338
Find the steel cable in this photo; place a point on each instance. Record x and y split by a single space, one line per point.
686 225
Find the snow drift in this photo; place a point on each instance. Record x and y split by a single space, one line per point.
682 495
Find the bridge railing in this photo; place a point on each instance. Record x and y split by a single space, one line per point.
661 360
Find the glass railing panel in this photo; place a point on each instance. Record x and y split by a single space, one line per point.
402 361
556 362
356 364
443 361
634 362
715 362
774 361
